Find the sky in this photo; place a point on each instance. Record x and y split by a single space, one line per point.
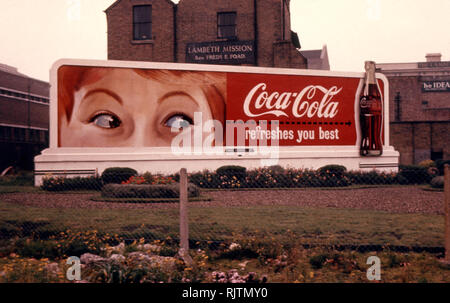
36 33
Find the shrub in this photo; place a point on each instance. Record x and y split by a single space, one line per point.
205 179
318 261
332 176
22 178
427 163
277 169
258 178
162 180
37 249
413 174
148 177
440 165
147 191
332 169
371 177
232 170
117 174
437 182
77 183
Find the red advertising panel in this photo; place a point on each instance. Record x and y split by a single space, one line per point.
310 110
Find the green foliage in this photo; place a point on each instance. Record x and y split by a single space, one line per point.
371 177
22 178
117 175
37 249
148 177
77 183
437 182
232 170
277 169
205 179
332 169
60 245
427 163
318 261
147 191
440 165
278 177
413 174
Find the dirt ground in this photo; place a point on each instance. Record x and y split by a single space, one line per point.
407 199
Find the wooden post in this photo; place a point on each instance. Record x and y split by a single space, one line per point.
447 212
184 223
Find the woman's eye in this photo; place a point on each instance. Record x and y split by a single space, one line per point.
106 121
178 121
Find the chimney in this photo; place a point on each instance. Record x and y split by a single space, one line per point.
433 57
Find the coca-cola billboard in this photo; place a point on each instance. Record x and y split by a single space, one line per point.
132 106
158 117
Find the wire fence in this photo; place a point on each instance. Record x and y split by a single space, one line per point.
272 205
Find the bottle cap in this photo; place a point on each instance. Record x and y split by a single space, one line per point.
369 65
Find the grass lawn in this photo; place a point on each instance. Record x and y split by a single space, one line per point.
309 225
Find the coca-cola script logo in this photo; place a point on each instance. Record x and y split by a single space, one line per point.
311 101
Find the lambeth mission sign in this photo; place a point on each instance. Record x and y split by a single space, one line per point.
221 52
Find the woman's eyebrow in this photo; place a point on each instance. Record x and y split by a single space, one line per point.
176 93
105 91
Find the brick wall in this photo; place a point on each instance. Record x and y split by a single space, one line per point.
417 140
196 21
121 45
412 97
19 145
15 111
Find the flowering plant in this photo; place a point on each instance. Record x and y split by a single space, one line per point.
134 180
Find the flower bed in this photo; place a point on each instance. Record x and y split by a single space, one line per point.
148 191
235 177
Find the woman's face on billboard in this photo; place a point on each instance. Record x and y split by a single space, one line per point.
126 109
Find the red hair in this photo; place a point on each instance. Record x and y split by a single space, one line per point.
72 78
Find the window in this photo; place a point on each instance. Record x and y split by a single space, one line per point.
226 25
142 22
437 155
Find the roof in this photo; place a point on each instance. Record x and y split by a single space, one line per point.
310 54
10 70
317 58
4 68
118 1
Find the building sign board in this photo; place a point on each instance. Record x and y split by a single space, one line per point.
436 86
221 52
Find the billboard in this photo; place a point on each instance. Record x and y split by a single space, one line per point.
116 106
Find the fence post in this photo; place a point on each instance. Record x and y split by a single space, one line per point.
184 223
447 212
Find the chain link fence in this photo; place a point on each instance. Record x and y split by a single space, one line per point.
273 205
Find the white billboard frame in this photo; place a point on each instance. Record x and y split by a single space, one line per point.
73 161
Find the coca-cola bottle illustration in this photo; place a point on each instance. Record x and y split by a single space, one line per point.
371 114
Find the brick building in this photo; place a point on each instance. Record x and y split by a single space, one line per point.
24 118
419 95
236 32
317 58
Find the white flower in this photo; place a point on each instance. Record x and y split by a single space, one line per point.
234 246
117 257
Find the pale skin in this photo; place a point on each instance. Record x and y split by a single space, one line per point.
124 109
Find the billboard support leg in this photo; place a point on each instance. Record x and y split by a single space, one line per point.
184 223
447 212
